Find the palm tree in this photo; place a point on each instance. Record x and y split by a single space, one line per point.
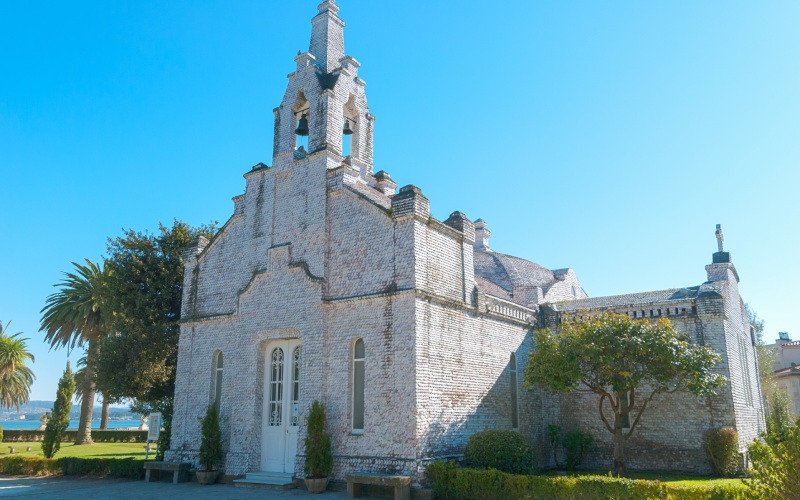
75 316
79 381
15 377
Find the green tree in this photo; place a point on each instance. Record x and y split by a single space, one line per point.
59 418
776 467
15 376
765 356
210 452
138 361
620 359
76 315
779 420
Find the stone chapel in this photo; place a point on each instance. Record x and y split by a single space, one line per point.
328 283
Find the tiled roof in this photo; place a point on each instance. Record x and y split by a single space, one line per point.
788 372
507 272
490 288
628 299
795 344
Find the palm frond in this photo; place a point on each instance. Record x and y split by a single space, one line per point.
15 377
74 314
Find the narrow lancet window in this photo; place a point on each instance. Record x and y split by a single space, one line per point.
218 379
358 386
512 364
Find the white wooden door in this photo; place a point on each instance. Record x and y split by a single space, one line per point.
281 406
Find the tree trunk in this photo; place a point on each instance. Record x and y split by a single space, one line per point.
84 435
619 451
104 414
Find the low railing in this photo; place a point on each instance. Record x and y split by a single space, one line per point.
510 309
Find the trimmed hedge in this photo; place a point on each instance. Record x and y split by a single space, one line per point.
72 466
99 436
451 482
507 451
722 449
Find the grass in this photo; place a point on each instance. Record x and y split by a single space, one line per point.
97 450
666 477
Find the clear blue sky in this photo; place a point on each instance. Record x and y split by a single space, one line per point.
609 137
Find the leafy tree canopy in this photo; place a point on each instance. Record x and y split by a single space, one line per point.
616 357
138 360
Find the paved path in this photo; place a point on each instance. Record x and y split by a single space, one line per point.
90 488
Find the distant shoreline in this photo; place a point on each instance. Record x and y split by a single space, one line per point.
73 424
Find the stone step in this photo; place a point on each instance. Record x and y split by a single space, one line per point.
270 480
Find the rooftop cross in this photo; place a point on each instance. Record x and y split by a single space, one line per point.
720 238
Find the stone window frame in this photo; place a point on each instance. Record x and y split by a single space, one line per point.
514 390
353 361
217 377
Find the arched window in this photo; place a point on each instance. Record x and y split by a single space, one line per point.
295 387
358 386
572 291
512 365
276 388
217 379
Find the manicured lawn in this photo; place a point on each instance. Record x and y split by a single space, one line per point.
97 450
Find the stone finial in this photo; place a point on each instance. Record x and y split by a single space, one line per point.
385 184
482 235
410 200
328 5
194 249
720 238
460 222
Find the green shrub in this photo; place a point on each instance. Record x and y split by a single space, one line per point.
779 418
451 482
28 466
506 451
98 436
722 449
210 453
554 435
72 466
319 459
776 467
577 444
59 421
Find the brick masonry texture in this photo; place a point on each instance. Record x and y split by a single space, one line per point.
320 250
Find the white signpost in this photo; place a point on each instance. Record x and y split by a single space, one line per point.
153 431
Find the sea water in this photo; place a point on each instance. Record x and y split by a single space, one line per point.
73 424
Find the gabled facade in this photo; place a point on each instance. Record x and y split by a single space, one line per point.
327 283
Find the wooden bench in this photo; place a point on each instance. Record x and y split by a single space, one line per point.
401 484
180 471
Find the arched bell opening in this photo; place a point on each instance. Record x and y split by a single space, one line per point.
300 112
350 128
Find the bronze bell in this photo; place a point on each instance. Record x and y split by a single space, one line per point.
347 130
302 126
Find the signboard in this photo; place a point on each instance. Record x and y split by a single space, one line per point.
153 426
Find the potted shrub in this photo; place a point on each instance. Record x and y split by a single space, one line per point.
319 460
210 447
